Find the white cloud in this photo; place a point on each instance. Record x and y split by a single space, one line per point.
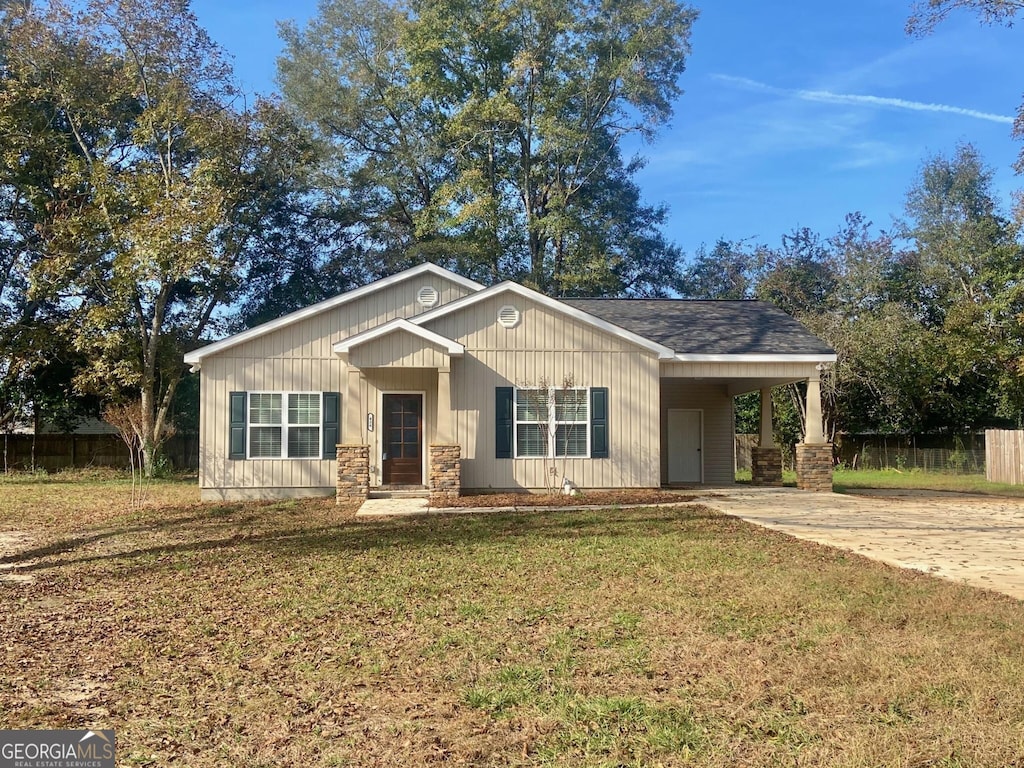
828 97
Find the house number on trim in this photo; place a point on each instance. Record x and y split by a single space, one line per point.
369 422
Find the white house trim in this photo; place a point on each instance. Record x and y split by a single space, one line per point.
663 352
196 356
453 348
755 358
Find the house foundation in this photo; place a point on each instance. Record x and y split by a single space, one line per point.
445 474
814 467
766 466
353 473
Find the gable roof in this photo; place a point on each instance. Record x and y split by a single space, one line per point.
556 305
195 356
453 348
707 330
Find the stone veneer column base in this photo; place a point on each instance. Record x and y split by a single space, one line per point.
814 467
766 466
445 480
353 473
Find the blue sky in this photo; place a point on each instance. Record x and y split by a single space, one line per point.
794 113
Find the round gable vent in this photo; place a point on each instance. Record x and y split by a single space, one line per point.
427 296
508 316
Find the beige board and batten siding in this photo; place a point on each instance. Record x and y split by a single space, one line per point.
296 357
315 336
718 444
550 347
399 349
222 478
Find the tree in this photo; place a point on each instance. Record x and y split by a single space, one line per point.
147 188
971 257
728 271
926 14
487 135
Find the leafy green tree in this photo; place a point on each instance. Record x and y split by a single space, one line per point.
143 182
800 276
730 270
486 135
970 257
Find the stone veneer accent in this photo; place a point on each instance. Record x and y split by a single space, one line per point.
814 467
353 472
445 480
766 466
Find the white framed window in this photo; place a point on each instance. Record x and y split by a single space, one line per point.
552 422
284 425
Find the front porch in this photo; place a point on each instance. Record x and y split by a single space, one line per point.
397 419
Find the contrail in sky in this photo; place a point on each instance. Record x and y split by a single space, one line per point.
873 101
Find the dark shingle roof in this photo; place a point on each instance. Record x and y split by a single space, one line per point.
708 327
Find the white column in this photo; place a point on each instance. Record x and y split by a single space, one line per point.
444 433
815 433
767 438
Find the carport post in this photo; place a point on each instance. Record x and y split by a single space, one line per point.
814 454
814 432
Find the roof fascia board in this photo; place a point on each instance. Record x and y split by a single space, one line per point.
453 348
759 357
663 352
195 356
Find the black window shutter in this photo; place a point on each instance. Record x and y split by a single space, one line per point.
236 435
332 424
599 422
503 423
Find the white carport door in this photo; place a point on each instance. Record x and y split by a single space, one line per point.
684 446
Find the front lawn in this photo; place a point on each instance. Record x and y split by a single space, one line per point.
293 634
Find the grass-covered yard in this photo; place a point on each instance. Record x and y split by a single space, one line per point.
902 479
292 634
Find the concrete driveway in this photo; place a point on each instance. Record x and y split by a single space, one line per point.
975 539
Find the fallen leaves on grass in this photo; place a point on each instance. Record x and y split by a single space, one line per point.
289 633
604 498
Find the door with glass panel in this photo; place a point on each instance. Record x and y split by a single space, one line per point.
403 440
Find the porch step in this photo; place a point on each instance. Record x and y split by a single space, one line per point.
399 492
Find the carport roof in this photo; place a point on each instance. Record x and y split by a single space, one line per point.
709 327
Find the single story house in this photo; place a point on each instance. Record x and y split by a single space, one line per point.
429 380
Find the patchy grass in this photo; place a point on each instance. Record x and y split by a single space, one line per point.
844 480
292 634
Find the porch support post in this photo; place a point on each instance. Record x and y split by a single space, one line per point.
444 432
352 427
814 454
766 459
814 433
353 454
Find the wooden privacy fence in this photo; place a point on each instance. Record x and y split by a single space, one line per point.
1004 456
54 452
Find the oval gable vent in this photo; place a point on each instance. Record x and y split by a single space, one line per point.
427 296
508 316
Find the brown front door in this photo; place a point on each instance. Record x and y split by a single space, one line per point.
403 440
